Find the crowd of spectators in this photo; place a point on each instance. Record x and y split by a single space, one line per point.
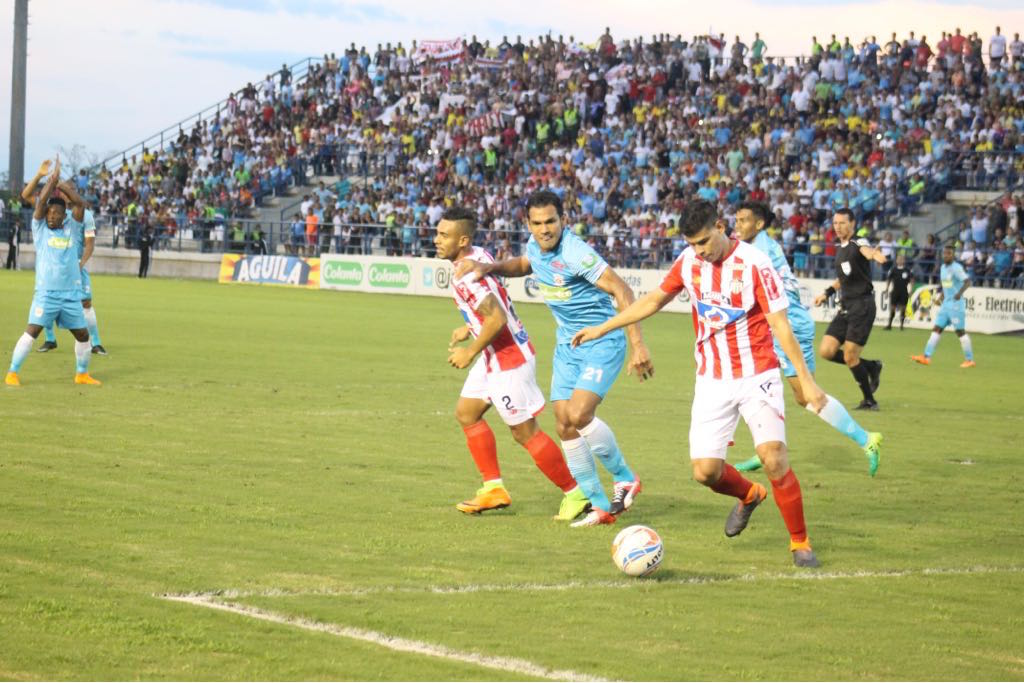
626 132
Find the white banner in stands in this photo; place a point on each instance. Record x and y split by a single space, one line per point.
990 311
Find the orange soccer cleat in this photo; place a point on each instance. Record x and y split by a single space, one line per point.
12 380
923 360
86 378
493 498
967 364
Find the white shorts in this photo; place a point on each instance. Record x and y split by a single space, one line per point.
514 393
718 403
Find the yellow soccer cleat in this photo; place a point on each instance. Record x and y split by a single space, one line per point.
86 378
12 380
493 498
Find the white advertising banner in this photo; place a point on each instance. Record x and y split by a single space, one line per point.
990 311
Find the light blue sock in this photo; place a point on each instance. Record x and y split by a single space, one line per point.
94 330
929 348
83 352
602 443
581 464
835 414
21 351
50 336
965 344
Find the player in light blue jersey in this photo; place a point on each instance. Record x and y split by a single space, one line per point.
85 249
58 287
953 311
752 221
579 286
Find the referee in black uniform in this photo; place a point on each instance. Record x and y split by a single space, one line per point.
898 285
851 327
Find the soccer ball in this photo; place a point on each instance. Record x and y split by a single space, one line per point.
637 550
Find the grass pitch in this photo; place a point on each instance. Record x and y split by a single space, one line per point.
293 453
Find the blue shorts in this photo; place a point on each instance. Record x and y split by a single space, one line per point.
86 286
803 330
592 367
957 317
64 308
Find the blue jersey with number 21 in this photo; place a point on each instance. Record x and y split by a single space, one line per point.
566 279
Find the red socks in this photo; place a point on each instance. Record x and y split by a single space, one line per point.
548 457
484 450
732 483
791 504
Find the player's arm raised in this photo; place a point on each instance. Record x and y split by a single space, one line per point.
873 254
494 319
620 290
642 308
40 211
30 187
517 266
78 205
784 334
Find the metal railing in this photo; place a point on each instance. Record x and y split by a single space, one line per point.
374 239
956 227
159 140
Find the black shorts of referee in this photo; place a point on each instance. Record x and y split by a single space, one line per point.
854 320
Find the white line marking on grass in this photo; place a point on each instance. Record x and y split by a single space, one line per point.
514 665
572 585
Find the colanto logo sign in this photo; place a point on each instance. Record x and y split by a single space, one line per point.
390 275
347 273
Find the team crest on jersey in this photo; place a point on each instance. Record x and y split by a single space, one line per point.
845 265
717 316
559 280
737 281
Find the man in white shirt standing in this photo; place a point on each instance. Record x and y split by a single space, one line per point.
996 49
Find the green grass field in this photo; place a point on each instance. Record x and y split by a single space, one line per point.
292 453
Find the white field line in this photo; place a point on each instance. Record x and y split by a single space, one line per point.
574 585
514 665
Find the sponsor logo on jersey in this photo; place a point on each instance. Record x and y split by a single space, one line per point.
771 283
717 316
521 336
58 242
345 273
549 293
391 275
845 265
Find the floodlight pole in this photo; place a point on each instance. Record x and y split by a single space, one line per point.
16 162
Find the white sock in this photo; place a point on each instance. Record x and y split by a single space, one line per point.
83 352
21 350
965 344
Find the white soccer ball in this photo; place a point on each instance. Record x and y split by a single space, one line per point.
637 550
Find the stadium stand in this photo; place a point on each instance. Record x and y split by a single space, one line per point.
625 132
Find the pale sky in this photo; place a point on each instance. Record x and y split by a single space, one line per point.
108 73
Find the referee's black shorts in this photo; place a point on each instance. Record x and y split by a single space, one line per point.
898 300
854 321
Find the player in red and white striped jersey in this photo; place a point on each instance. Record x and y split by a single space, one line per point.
738 303
504 375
